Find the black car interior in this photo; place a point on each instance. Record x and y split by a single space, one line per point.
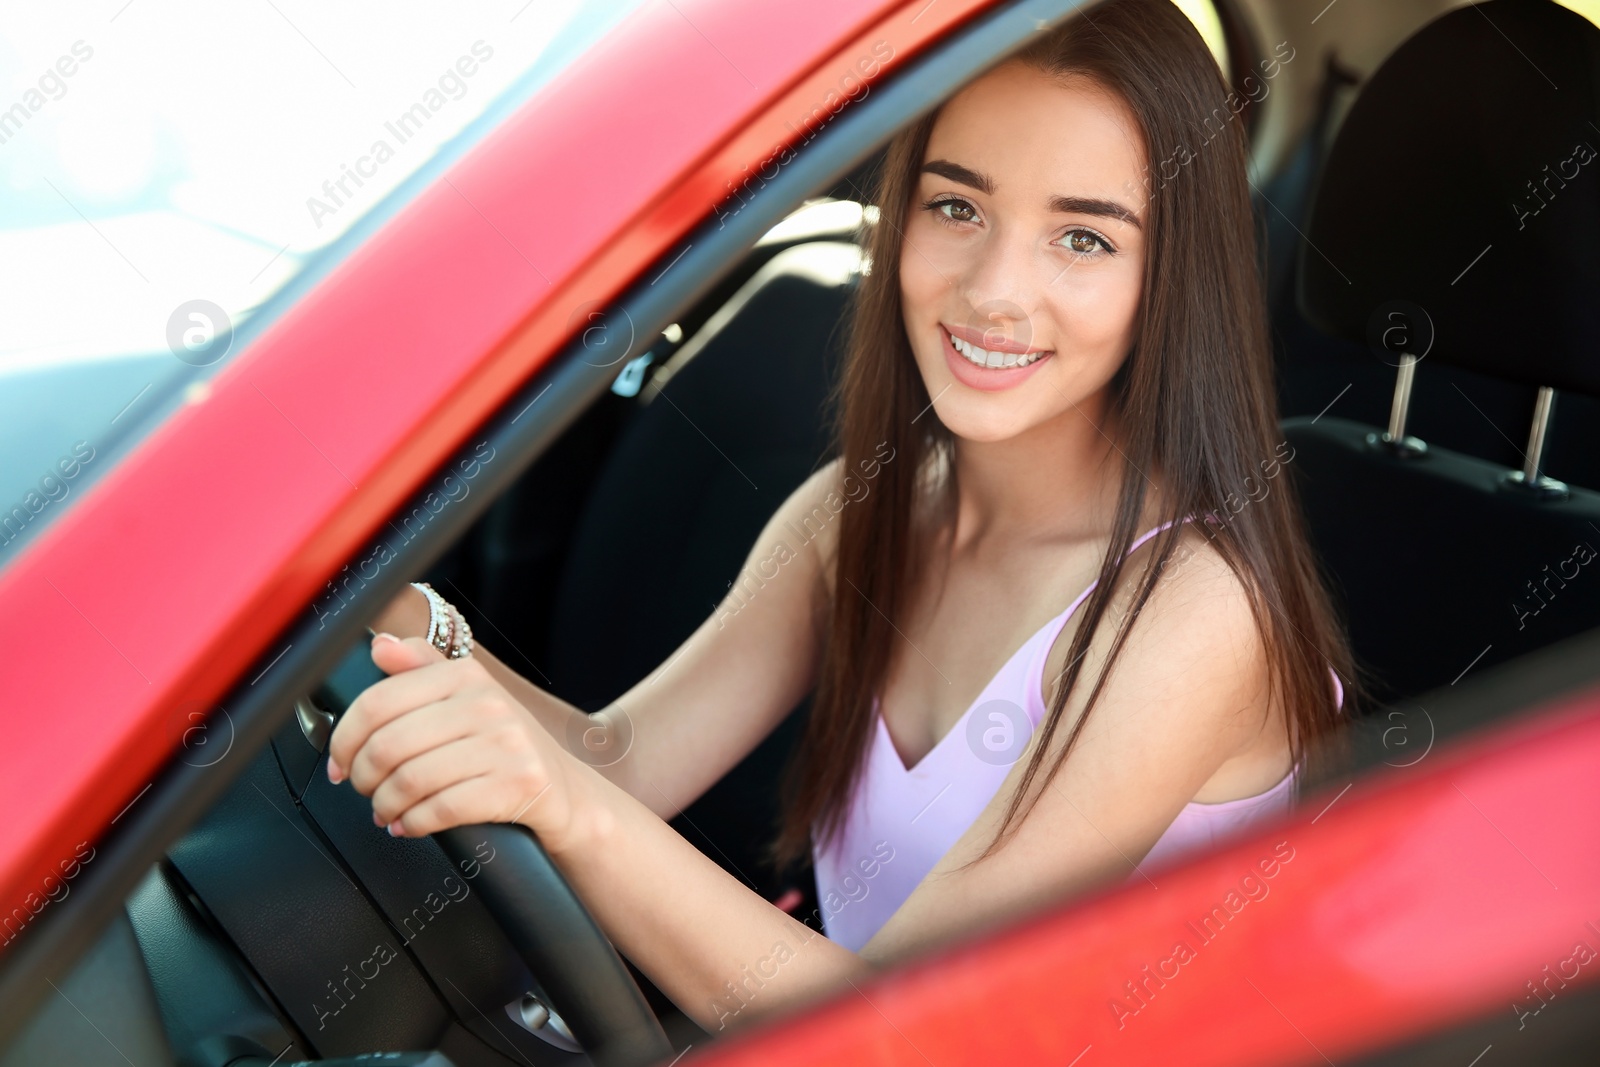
1445 416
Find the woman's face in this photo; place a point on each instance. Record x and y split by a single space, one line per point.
1023 238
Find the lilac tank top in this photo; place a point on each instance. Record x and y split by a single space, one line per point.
902 820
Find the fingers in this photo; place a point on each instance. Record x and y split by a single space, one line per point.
427 774
393 654
476 800
386 700
406 737
485 777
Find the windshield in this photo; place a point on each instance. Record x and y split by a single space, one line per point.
174 176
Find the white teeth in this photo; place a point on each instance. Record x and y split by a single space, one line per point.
982 357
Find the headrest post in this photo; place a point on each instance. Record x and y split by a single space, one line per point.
1394 439
1529 478
1402 396
1541 422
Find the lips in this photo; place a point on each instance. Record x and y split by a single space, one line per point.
990 378
986 350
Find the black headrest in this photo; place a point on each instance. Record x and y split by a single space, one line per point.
1465 181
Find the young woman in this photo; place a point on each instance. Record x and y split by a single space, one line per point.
1058 384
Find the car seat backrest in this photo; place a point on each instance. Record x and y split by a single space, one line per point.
732 424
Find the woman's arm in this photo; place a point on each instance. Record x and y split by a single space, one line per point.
720 952
724 689
440 743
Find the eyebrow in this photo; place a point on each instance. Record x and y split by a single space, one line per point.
1079 205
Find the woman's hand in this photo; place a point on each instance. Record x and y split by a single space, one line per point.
441 743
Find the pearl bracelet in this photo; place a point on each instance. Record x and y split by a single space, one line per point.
447 628
439 621
460 634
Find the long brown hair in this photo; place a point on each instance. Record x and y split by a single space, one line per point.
1195 397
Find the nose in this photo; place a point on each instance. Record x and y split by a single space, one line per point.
1001 289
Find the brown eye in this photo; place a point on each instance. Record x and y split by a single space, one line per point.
960 210
1083 242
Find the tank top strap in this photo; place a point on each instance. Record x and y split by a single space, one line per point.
1061 620
1142 538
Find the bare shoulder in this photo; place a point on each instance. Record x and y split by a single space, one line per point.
1200 610
1197 573
1194 651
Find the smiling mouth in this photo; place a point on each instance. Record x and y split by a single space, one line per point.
983 357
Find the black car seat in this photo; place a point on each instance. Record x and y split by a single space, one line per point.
1457 221
727 429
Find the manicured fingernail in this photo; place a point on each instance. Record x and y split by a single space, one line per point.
335 774
385 636
396 830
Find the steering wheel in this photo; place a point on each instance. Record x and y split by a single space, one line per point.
541 917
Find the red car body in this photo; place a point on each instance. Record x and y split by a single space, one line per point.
1431 894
